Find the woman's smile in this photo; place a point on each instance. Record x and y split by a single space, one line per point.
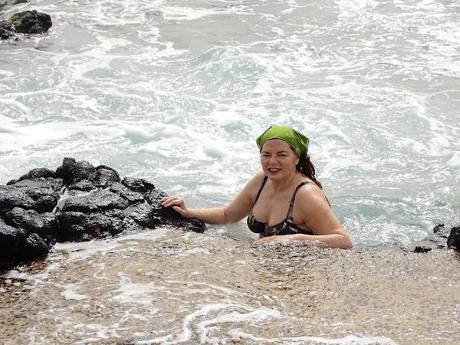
273 170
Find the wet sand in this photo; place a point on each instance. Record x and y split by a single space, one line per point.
169 287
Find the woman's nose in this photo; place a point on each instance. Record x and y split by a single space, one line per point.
272 160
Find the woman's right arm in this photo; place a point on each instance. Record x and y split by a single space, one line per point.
236 210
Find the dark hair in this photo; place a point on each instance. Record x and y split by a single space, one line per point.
306 167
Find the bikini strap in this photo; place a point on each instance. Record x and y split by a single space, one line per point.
261 187
291 205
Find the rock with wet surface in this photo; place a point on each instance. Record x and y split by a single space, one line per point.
441 237
77 202
453 241
26 22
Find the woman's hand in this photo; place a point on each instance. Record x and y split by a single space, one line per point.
177 204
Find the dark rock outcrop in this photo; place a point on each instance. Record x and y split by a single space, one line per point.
453 241
27 22
77 202
442 237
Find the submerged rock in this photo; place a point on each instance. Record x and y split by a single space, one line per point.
27 22
77 202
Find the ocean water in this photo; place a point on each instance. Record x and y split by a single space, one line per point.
177 91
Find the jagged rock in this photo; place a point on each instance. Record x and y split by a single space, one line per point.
27 22
31 22
44 224
453 241
40 195
422 249
33 247
138 184
79 226
84 186
99 200
160 215
440 238
72 171
11 197
105 176
77 202
6 30
11 239
127 194
36 174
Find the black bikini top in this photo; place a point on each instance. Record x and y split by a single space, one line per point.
285 227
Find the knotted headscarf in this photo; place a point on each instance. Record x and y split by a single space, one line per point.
296 140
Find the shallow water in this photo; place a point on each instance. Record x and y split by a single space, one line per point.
170 287
176 92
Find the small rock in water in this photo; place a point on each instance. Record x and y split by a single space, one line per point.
453 241
31 22
439 239
27 22
422 249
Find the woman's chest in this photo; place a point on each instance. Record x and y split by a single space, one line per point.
272 208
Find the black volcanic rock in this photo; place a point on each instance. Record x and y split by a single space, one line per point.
31 221
27 22
138 184
453 241
441 237
31 22
77 202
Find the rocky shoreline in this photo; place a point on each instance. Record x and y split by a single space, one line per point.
80 202
77 202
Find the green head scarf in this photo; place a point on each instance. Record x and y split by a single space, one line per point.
296 140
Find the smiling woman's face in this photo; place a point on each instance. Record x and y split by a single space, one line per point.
278 160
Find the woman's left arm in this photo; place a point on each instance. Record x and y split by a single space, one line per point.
313 212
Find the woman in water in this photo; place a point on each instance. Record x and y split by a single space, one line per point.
284 202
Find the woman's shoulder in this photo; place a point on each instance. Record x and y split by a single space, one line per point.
258 178
254 184
309 192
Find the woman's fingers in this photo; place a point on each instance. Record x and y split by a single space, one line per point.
179 210
169 201
177 204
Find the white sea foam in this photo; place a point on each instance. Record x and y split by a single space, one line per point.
69 292
134 293
238 335
248 315
186 13
84 250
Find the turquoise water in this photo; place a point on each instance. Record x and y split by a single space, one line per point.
177 91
